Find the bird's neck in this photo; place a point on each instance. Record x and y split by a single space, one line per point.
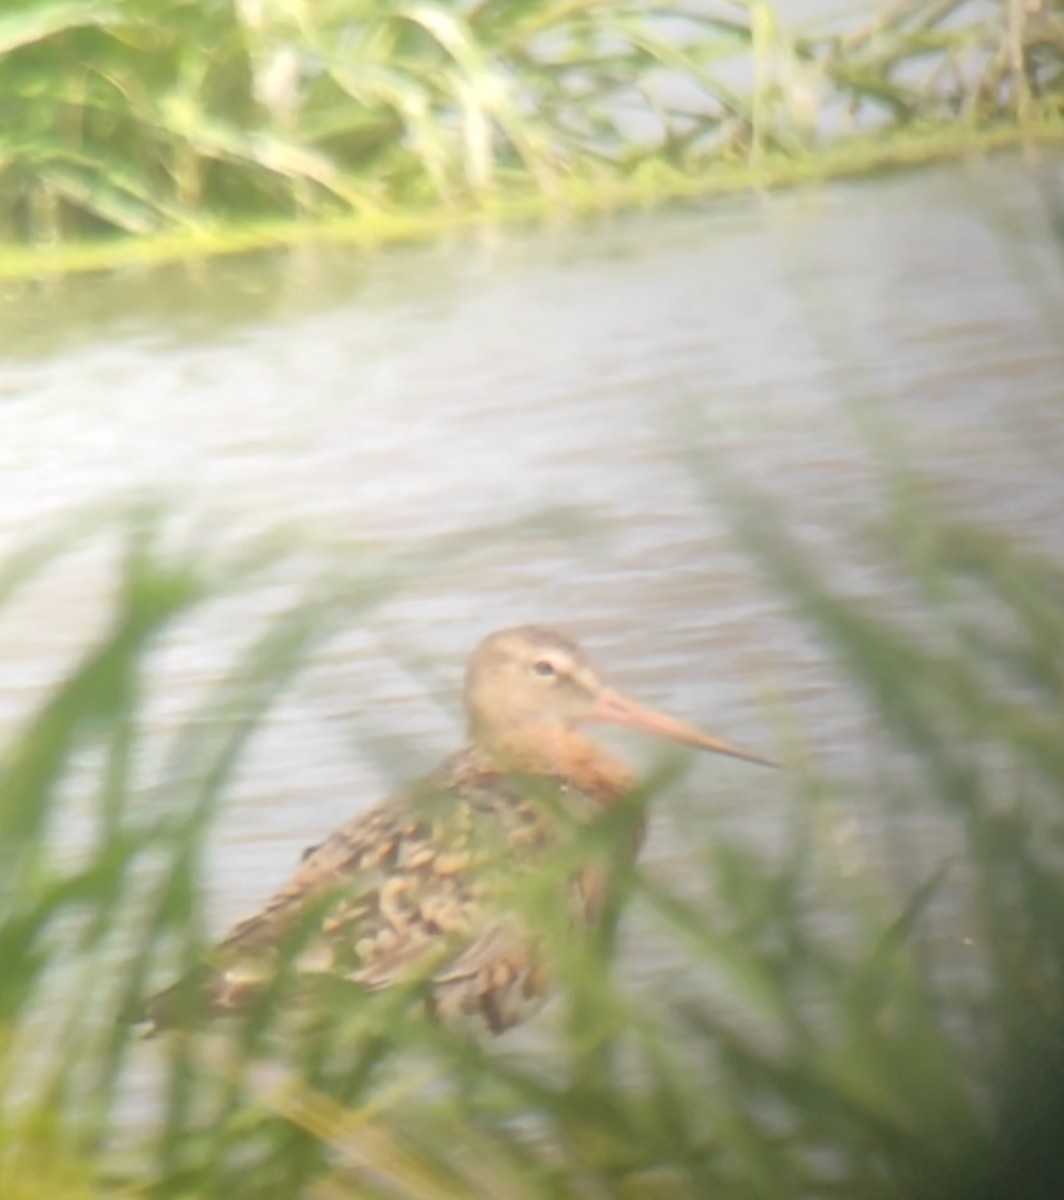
564 754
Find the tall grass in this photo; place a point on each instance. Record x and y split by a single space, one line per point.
139 116
797 1063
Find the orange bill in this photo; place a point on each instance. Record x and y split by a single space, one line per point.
616 709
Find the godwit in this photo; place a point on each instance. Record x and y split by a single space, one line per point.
411 887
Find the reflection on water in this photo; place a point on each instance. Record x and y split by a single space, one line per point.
366 405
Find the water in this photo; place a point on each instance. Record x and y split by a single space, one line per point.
368 406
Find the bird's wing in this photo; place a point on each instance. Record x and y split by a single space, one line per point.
340 874
407 886
355 853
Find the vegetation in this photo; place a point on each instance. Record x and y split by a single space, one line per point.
820 1049
225 123
825 1039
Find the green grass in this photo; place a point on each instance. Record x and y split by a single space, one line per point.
205 127
817 1064
653 185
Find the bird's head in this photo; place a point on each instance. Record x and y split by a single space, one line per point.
527 680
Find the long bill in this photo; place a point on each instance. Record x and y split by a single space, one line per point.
616 709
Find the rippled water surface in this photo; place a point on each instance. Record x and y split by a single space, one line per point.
367 406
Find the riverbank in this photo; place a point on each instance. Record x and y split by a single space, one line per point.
170 133
579 199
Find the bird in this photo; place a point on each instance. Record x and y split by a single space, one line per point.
415 886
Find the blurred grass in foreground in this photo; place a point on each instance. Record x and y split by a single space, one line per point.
838 1067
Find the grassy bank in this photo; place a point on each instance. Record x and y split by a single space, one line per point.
818 1050
658 184
137 130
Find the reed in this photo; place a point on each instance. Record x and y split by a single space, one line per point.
817 1049
200 121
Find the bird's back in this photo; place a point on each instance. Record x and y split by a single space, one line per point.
420 885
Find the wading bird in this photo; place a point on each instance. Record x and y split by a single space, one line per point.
415 886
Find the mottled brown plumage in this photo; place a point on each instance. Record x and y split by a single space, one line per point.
417 886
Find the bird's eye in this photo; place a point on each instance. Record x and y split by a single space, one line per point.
544 668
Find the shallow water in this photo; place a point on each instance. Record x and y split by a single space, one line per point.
368 406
